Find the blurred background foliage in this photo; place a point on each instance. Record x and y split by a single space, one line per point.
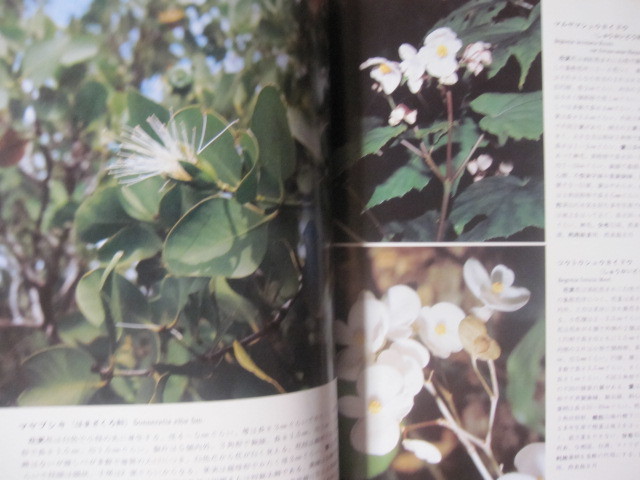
72 75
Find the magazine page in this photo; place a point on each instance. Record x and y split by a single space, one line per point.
477 258
163 305
591 111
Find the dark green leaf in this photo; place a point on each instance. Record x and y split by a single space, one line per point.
421 229
502 206
378 137
412 176
90 102
510 115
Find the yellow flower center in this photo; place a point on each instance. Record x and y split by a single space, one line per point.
441 329
497 287
385 68
442 51
374 406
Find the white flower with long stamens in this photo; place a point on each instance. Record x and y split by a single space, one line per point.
385 72
495 290
144 156
440 49
438 328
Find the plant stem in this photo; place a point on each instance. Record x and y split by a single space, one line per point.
444 210
449 98
462 434
466 160
450 175
426 156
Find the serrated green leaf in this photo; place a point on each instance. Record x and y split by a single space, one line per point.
59 376
473 15
524 370
421 229
503 206
378 137
510 115
414 175
218 237
517 36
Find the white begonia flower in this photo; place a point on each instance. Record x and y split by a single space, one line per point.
385 72
440 49
495 291
529 463
480 164
402 113
505 168
406 357
380 405
422 449
404 306
476 56
413 65
438 328
363 334
143 156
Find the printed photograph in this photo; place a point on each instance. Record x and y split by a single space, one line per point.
442 122
441 362
159 230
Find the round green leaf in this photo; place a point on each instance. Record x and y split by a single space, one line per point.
59 376
89 299
141 200
218 237
136 242
101 215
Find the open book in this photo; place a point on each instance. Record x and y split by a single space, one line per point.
277 239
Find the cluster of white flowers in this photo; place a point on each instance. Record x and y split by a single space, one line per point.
479 167
436 58
387 343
